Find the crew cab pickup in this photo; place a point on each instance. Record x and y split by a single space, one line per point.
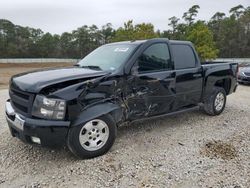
82 106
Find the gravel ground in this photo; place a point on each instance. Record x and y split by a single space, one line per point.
186 150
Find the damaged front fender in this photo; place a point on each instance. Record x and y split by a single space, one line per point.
92 98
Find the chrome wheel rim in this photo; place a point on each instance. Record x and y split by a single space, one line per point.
219 101
94 135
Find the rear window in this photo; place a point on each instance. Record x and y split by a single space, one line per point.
183 56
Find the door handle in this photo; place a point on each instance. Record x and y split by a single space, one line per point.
153 81
196 75
169 79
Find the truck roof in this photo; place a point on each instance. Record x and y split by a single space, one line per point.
138 42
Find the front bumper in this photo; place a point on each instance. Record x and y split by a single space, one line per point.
50 133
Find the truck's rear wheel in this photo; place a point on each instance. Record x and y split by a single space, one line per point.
92 138
214 103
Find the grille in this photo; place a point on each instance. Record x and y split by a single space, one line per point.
247 73
21 101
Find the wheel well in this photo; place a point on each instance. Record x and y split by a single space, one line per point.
224 83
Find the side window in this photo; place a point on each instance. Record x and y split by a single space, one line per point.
183 56
154 58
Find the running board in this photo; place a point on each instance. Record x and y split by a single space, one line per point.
168 114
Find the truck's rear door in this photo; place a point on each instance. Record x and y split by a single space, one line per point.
189 77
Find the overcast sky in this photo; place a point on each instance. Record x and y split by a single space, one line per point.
57 16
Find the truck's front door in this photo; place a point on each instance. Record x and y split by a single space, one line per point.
151 85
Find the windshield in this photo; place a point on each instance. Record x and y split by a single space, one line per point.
108 57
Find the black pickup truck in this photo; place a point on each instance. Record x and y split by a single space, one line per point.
82 106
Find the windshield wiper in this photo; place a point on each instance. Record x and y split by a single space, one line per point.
94 67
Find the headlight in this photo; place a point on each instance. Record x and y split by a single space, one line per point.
241 73
49 108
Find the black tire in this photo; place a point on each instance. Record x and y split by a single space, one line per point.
209 102
76 148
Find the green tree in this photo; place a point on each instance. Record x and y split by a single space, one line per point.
47 45
22 41
237 11
125 33
145 31
179 30
203 41
218 16
86 39
107 33
244 34
190 15
216 25
231 35
174 25
67 45
8 39
137 32
82 40
35 36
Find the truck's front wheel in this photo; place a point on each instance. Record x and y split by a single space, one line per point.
92 138
214 103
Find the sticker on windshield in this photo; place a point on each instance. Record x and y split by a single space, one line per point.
121 49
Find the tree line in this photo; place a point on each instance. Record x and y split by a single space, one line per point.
221 36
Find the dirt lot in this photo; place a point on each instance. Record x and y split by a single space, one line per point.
10 69
184 151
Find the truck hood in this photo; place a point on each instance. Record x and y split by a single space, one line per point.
35 81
